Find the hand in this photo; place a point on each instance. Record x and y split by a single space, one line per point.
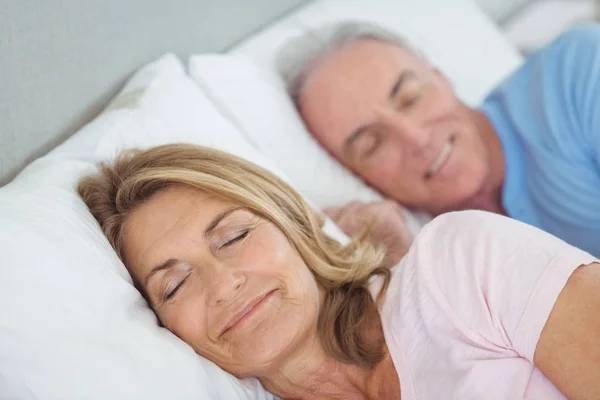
389 228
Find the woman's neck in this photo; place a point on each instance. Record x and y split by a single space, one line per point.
313 374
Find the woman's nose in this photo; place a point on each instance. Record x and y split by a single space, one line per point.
226 285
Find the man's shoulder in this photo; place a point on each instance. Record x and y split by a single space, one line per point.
563 72
571 54
584 34
575 50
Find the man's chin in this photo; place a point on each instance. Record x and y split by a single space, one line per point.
479 201
456 200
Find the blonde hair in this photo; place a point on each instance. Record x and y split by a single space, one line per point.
342 271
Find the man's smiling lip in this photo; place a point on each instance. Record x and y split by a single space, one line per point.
245 311
441 158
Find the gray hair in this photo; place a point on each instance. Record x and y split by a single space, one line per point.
301 55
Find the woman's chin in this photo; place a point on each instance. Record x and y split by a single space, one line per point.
267 350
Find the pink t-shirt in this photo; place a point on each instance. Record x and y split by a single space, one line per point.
467 304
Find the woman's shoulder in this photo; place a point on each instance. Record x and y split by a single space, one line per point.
457 224
460 255
470 232
460 233
481 243
475 260
445 237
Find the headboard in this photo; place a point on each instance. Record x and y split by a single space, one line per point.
62 60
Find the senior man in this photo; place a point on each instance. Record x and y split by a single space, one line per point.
530 151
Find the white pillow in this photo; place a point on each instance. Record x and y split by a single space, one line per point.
248 88
72 325
455 35
256 101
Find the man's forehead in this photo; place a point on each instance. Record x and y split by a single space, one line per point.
341 91
373 52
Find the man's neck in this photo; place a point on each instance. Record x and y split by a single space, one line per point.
489 197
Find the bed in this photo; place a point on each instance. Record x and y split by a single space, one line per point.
82 80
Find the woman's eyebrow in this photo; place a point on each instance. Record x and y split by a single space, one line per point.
161 267
217 220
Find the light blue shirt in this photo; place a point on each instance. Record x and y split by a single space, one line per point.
547 116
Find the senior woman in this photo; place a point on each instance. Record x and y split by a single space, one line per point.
235 263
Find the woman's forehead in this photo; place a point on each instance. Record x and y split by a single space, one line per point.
172 204
164 218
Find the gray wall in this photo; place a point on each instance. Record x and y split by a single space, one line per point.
500 10
62 60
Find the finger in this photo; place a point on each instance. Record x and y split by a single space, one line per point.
346 219
394 208
332 212
350 224
376 211
350 209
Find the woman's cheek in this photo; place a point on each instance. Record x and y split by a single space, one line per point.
187 321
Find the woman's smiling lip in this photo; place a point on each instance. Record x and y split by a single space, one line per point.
246 311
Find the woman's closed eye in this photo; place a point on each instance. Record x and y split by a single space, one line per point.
235 239
172 287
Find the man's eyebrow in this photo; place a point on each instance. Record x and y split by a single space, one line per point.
354 137
402 78
161 267
217 220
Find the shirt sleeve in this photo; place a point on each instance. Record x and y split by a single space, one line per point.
554 97
570 66
497 278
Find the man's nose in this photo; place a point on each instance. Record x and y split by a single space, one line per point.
408 129
225 285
